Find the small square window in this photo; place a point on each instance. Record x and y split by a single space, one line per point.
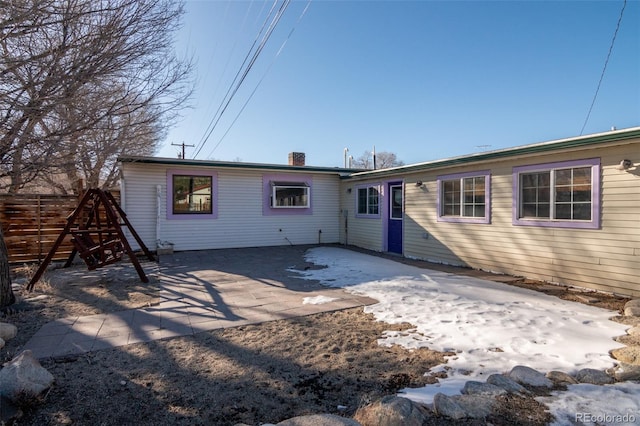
368 201
192 194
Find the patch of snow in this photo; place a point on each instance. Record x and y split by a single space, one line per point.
490 326
595 405
317 300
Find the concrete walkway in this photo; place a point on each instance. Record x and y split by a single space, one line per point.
201 291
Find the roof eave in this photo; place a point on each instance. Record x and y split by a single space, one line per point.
556 145
233 165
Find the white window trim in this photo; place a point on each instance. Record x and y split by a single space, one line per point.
486 174
368 215
594 223
275 187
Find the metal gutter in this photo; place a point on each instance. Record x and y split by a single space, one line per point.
234 165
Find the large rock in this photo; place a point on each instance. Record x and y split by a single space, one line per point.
623 372
7 331
319 420
23 376
447 406
392 411
476 406
632 308
473 387
506 383
633 303
628 355
458 407
634 331
528 376
632 311
2 343
561 378
593 377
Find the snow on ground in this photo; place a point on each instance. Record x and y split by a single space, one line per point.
317 300
491 327
617 404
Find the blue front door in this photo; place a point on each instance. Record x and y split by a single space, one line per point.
394 227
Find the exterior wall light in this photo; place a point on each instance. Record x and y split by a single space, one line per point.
625 164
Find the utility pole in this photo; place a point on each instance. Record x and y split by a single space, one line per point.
183 145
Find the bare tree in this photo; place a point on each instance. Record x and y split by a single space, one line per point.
70 66
82 81
91 155
384 160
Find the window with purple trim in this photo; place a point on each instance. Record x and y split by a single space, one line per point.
558 194
192 194
464 197
290 195
287 194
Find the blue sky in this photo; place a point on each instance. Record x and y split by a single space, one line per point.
423 79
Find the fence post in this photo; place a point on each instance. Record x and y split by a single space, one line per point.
39 221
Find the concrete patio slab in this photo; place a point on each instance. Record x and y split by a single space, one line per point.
200 291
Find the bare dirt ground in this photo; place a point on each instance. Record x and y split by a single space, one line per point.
325 363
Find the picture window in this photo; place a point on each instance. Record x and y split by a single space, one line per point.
558 194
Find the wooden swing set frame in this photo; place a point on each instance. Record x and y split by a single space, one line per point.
96 230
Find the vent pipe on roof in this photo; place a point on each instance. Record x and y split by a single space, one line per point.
374 157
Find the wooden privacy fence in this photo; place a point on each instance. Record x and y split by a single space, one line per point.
32 222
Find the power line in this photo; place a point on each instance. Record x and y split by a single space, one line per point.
606 62
213 121
233 89
260 82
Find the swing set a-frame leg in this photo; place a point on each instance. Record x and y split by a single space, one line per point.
45 263
109 203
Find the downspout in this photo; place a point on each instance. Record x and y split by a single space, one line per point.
123 197
346 227
158 216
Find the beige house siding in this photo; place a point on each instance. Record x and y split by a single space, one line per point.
601 259
240 221
361 231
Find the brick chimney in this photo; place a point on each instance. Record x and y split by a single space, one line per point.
296 158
